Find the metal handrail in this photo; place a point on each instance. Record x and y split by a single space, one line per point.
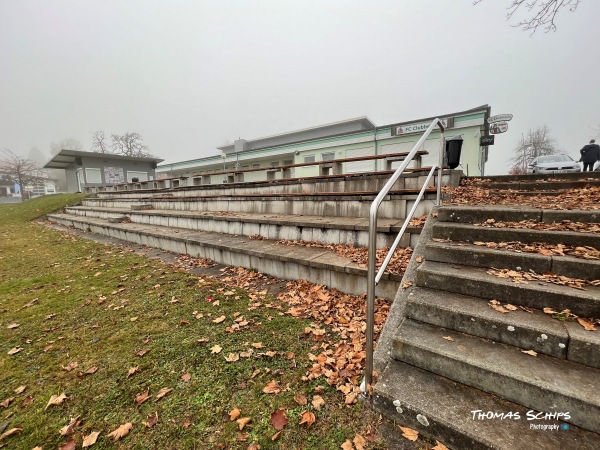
373 279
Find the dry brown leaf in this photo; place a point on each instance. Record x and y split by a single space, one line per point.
11 432
186 423
14 350
419 259
317 402
347 445
27 401
359 442
278 419
90 371
232 357
439 446
498 308
70 445
133 370
160 394
550 311
219 319
510 307
20 389
186 377
276 436
234 413
243 422
151 420
70 428
142 397
254 446
406 284
272 388
308 418
13 325
257 345
448 338
529 352
90 439
586 324
56 400
216 349
300 399
6 402
121 432
142 352
409 433
72 365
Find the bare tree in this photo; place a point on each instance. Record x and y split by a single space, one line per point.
539 13
100 142
129 144
19 169
536 143
65 144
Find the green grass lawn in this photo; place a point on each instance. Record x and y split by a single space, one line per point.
66 300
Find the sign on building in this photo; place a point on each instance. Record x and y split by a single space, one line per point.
498 127
500 118
486 140
417 127
113 175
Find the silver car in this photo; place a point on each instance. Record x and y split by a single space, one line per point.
553 164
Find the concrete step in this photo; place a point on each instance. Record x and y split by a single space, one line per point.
480 256
320 266
472 315
472 233
323 229
477 214
544 185
448 411
468 280
395 205
541 383
536 177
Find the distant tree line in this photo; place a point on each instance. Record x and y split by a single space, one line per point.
128 144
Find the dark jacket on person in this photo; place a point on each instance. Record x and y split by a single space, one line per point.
590 153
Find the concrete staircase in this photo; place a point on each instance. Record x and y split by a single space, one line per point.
239 224
453 367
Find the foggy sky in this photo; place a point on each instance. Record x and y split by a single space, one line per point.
193 75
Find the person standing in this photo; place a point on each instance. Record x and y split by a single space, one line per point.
590 153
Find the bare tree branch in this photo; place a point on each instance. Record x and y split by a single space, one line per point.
536 143
19 169
129 144
100 142
539 13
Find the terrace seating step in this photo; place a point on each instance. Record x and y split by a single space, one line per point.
468 280
539 382
318 265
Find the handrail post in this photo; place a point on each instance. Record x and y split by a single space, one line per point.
372 245
438 200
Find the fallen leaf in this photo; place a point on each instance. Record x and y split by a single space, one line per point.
70 445
133 319
497 307
276 436
448 338
216 349
219 319
243 422
300 399
308 418
72 365
151 420
13 325
56 400
186 423
232 357
257 345
6 402
90 371
510 307
121 432
586 324
359 442
133 370
70 428
48 347
160 394
406 284
142 397
186 377
142 352
90 439
439 446
14 350
272 388
254 447
20 389
419 259
317 402
409 433
550 311
234 413
347 445
11 432
529 352
97 274
279 419
27 401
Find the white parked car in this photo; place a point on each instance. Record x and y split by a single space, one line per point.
553 164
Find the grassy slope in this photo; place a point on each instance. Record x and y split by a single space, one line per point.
94 291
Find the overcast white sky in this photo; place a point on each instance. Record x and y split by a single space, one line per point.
191 75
